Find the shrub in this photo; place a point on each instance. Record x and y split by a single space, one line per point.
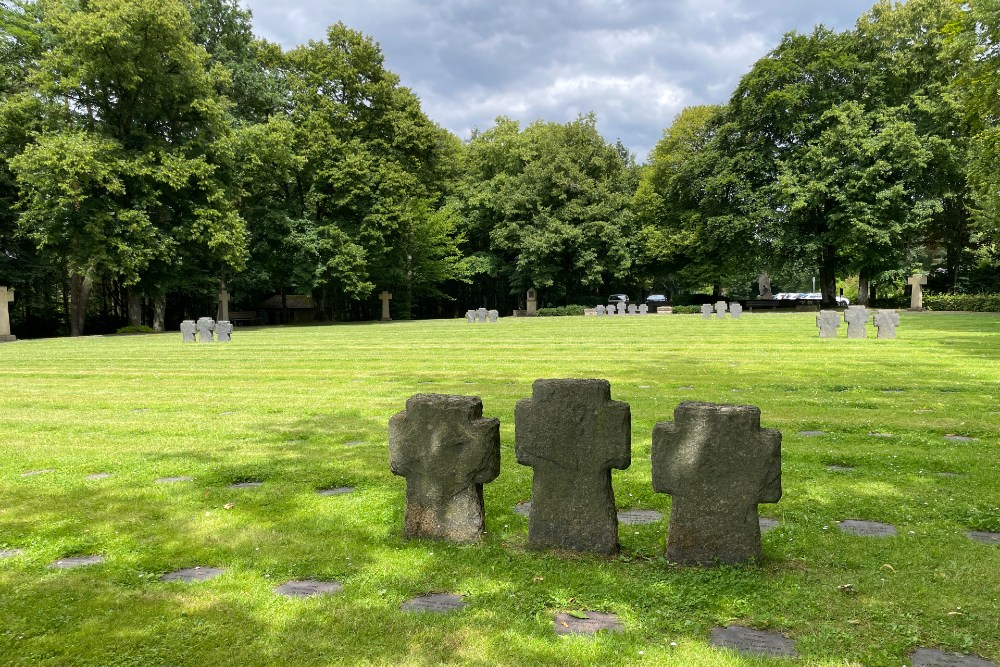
141 329
686 310
983 303
560 311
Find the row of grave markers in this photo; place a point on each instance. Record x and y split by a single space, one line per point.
482 316
621 309
734 308
856 317
205 327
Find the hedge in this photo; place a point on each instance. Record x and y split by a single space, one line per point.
686 310
560 311
983 303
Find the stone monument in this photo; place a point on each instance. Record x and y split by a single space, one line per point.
6 298
764 285
224 331
736 310
706 311
572 434
386 298
446 451
493 315
717 463
187 331
470 316
601 311
481 316
720 309
856 318
886 322
205 326
532 302
828 321
643 309
632 309
223 313
917 282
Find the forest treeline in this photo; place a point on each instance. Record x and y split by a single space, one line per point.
152 149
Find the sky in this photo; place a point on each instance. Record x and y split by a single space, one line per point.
634 63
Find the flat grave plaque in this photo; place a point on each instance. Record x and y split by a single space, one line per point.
960 438
99 475
32 473
76 561
833 467
812 434
767 524
439 603
193 574
875 434
307 588
949 474
11 553
245 485
867 528
174 480
928 657
686 388
336 491
524 509
354 443
757 642
638 517
595 621
984 537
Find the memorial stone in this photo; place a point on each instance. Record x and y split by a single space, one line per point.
532 299
917 282
224 331
11 553
446 451
307 588
706 311
764 286
6 298
856 318
386 297
187 331
720 309
828 321
197 573
633 309
638 517
601 311
481 315
76 561
586 623
867 528
886 322
470 316
757 642
493 315
717 463
736 310
643 309
439 603
983 537
572 434
223 313
928 657
205 326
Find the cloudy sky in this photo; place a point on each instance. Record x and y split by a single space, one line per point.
635 63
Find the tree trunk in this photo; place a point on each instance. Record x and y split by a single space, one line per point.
716 290
863 280
79 295
159 311
134 307
828 277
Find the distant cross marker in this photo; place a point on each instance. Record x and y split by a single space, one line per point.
6 298
223 315
386 298
856 318
917 282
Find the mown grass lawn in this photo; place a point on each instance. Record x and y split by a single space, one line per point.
280 406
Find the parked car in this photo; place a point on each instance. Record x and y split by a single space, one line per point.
656 300
617 298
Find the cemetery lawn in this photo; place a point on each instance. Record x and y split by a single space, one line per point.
305 408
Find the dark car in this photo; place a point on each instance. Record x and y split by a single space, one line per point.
656 300
617 298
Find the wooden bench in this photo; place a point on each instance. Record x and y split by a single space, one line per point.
245 318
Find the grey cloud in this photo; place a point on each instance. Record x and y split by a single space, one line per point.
636 64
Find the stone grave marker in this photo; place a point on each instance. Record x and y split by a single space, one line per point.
735 309
828 321
76 561
32 473
755 642
601 311
336 491
446 451
197 573
174 480
354 443
833 467
532 301
622 309
984 537
223 313
643 309
591 623
307 588
481 315
635 517
493 315
187 331
572 434
205 326
812 434
717 463
959 438
867 528
876 434
470 316
245 485
720 309
438 603
6 298
932 657
524 509
767 524
633 309
885 322
224 331
98 476
706 311
386 297
11 553
856 318
917 282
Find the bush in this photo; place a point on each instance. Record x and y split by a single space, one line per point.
686 310
141 329
983 303
560 311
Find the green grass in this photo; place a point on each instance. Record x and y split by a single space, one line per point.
278 405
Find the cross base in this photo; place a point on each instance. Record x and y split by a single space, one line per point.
7 339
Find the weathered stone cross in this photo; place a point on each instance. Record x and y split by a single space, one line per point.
386 298
886 322
573 434
828 321
717 463
6 298
446 451
917 281
223 314
856 318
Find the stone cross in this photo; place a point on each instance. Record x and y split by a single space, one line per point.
187 331
856 318
573 434
886 322
6 298
736 310
470 316
706 311
720 309
446 451
828 321
632 309
205 326
223 314
917 281
643 309
481 316
717 463
601 311
493 315
224 331
386 298
532 301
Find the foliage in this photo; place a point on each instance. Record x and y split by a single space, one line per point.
983 303
686 310
135 329
561 311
